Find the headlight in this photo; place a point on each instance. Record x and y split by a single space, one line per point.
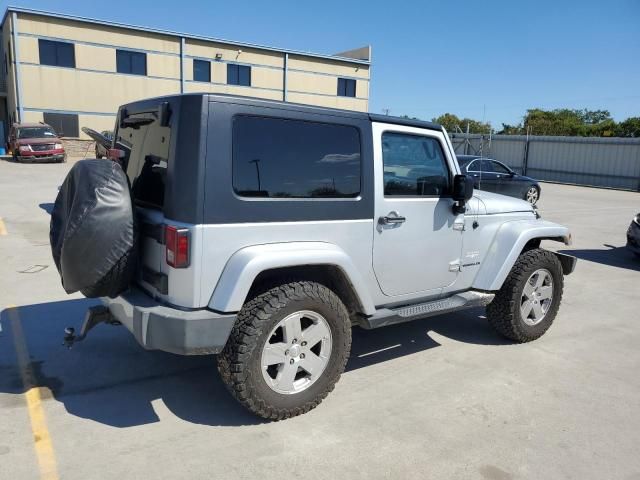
636 219
24 148
58 146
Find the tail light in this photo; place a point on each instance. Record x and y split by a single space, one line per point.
177 243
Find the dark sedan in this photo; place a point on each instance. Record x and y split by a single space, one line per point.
494 176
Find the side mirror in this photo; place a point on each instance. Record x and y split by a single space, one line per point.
462 192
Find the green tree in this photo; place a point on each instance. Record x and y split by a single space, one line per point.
452 123
629 128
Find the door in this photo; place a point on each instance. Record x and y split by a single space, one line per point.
484 176
417 237
505 180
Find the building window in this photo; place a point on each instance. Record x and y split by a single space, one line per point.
346 87
134 63
65 124
238 75
279 158
201 70
414 165
58 54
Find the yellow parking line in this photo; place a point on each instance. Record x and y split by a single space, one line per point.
33 394
3 229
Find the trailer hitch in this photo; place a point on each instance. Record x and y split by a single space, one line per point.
95 315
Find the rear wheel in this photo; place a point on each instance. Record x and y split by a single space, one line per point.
526 305
287 350
532 195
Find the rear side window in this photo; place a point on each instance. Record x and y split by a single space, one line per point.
146 146
279 158
413 166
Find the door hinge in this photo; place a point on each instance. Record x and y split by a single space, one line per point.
458 225
455 266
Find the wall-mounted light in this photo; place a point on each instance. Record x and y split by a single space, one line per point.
218 56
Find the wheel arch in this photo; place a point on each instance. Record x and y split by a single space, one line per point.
253 268
511 239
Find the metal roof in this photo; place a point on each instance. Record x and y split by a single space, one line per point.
171 33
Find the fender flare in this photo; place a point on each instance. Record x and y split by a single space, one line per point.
247 263
508 243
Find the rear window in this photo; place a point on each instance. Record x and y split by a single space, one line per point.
146 146
281 158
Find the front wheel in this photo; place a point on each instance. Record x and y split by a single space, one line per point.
287 350
532 195
526 305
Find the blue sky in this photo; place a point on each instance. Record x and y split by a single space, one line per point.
491 59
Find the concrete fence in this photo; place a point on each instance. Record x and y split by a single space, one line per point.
600 162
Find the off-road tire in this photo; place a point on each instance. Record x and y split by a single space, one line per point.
503 312
239 362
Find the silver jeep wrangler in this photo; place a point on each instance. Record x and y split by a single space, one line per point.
267 230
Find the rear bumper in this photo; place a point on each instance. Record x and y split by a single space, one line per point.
158 327
58 157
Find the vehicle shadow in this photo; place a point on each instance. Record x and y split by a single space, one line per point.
620 257
110 379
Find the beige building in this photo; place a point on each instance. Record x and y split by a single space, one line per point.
72 72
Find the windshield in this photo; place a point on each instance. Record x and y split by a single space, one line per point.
36 132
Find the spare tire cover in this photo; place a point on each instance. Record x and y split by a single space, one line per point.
92 225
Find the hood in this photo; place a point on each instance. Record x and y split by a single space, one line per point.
37 141
494 203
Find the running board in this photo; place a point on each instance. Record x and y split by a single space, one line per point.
391 316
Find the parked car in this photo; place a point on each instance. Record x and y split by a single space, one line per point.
494 176
35 142
101 150
633 235
265 235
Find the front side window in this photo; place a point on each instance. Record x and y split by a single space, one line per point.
499 168
413 166
201 70
238 75
133 63
280 158
57 54
346 87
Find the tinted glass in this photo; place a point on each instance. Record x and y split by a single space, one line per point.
346 87
146 158
65 124
201 70
413 166
487 166
134 63
499 168
295 159
59 54
238 75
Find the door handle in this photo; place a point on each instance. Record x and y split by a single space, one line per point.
392 218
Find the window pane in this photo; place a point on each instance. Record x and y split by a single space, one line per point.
138 63
64 124
66 55
346 87
123 65
244 75
232 74
499 168
201 71
487 166
295 159
413 166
